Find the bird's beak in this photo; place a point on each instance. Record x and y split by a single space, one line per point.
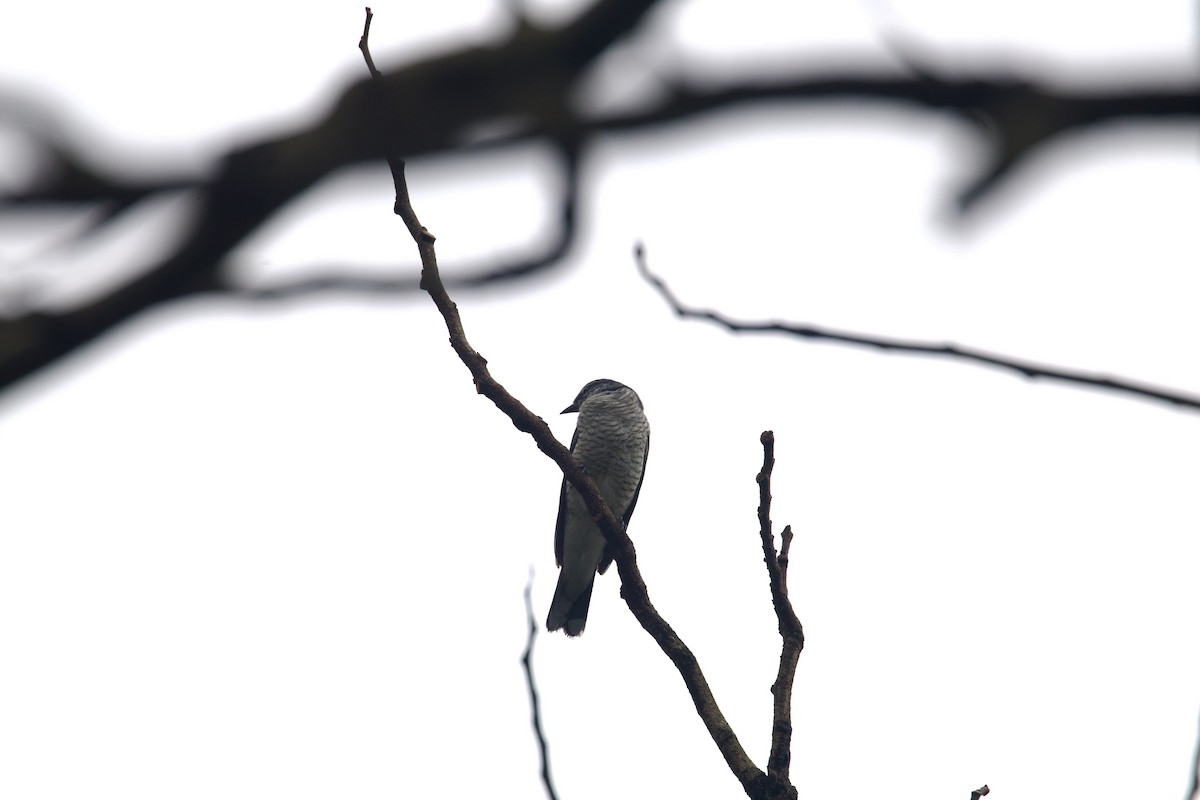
571 409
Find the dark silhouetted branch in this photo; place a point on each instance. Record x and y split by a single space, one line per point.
527 82
790 630
341 280
530 75
1018 116
633 588
535 707
1027 369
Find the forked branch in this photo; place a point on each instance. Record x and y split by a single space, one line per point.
633 588
790 629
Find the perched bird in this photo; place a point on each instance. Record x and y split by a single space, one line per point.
612 438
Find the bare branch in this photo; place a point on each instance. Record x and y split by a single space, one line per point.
535 707
364 45
633 587
785 551
1027 369
780 761
982 791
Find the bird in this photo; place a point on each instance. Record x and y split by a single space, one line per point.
611 442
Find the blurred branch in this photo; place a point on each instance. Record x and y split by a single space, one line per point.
530 75
982 791
945 349
69 177
780 761
535 705
527 82
328 280
1014 117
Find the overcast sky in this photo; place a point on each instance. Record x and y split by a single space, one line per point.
278 550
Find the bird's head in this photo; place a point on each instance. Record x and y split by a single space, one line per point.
598 387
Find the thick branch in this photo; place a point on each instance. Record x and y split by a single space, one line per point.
529 80
530 75
1019 116
1027 369
323 280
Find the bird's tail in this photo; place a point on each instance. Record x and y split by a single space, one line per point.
567 612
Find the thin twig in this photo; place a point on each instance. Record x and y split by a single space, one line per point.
364 45
1027 369
784 551
790 630
534 701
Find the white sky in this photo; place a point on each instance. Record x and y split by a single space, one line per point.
268 551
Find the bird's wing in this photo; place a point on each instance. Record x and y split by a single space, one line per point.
633 502
606 559
560 526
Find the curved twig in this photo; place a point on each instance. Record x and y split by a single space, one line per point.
535 706
1027 369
